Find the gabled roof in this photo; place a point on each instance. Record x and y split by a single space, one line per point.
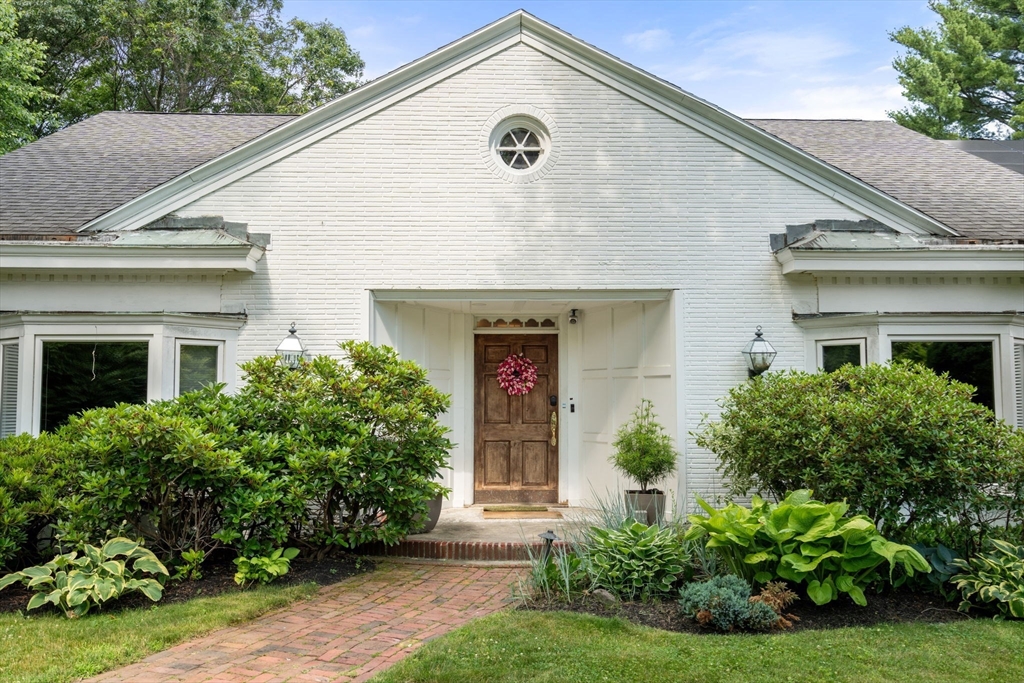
975 197
61 182
131 202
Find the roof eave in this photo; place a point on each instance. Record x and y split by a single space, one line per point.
51 256
989 259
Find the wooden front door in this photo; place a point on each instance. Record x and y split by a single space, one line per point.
516 449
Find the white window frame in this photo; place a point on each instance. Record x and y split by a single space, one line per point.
998 360
152 365
190 341
861 342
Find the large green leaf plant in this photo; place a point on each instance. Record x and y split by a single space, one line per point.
803 541
76 583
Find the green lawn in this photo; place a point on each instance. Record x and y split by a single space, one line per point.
53 649
535 646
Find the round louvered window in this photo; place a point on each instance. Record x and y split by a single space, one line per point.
520 143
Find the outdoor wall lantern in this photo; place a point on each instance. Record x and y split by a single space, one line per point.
759 354
291 350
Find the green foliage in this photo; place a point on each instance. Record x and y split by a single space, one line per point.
994 579
266 568
189 566
724 603
33 476
886 438
20 63
643 450
183 56
153 471
75 584
805 542
359 441
334 453
941 560
635 560
966 75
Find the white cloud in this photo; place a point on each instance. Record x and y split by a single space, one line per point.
650 40
836 102
760 53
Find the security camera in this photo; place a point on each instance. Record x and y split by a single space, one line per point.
574 316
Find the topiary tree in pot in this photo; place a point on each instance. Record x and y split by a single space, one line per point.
644 453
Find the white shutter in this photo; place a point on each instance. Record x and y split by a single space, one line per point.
1018 364
9 390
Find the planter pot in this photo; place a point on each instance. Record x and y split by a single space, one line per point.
433 514
646 507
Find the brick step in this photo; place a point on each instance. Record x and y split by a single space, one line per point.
466 551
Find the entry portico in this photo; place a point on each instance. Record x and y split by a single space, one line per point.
619 348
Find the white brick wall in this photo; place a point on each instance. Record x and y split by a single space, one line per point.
636 200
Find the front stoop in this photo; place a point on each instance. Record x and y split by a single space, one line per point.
465 551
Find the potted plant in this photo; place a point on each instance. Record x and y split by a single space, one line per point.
644 453
425 524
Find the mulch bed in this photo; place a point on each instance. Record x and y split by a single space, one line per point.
887 608
218 577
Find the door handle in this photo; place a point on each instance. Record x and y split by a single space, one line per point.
554 428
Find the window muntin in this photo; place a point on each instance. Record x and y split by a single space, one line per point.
520 148
79 375
198 365
834 353
971 362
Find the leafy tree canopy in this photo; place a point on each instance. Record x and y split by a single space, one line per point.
20 60
216 56
966 75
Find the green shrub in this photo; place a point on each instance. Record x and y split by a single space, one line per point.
151 471
643 450
899 443
635 560
33 477
359 440
75 584
724 603
803 541
264 569
994 579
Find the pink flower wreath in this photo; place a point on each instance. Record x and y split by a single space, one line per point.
517 375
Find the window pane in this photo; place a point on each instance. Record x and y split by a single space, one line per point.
969 362
197 367
836 356
82 375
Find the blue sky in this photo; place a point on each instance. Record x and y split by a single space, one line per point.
811 59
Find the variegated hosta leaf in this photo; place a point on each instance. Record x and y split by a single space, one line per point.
119 546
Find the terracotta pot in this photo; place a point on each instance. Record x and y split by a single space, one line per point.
433 514
647 506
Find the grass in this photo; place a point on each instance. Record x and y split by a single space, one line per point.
558 646
48 647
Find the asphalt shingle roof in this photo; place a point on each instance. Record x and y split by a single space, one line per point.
975 197
63 181
57 184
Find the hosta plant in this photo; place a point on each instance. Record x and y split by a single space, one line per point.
635 560
803 541
265 568
994 579
76 583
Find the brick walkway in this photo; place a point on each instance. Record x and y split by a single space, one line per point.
350 632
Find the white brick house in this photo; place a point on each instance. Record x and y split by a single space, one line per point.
642 213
